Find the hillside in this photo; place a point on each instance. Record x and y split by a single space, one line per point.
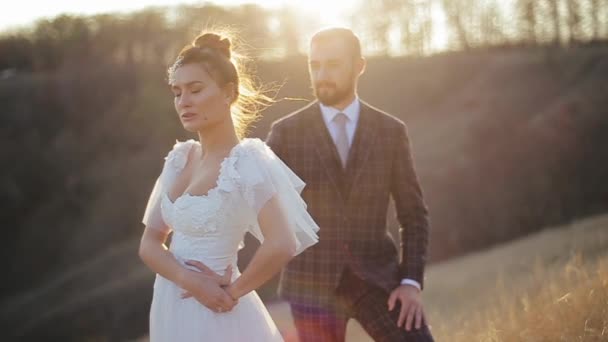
505 143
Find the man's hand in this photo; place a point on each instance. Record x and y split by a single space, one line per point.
411 306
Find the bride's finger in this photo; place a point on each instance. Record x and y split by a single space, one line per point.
202 267
227 276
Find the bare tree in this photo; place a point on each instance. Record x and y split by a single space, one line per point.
412 20
555 18
527 21
415 23
575 21
455 11
491 25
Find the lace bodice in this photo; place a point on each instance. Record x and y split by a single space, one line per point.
212 226
200 215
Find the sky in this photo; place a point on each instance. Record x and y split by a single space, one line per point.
25 12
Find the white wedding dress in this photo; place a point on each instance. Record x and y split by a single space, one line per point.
210 228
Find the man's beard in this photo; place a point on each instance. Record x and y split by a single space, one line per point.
336 96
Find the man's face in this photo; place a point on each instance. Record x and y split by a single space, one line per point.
333 71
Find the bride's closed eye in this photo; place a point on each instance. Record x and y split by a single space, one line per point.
193 92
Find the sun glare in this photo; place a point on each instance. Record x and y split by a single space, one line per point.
312 14
329 13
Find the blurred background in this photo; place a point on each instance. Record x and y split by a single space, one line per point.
506 104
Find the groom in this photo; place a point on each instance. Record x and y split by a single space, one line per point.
353 157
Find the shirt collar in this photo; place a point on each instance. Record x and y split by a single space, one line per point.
351 111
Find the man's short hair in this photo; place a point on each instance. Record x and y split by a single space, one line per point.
341 33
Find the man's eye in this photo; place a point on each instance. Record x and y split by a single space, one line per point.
177 95
196 91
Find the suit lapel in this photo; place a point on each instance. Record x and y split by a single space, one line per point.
365 134
326 149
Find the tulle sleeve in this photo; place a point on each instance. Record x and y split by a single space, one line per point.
263 176
152 216
174 163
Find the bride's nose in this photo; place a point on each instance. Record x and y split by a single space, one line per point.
184 101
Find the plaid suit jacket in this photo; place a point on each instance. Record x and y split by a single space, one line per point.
350 204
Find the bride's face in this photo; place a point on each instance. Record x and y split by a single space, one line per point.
199 101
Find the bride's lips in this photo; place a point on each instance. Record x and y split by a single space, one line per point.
188 115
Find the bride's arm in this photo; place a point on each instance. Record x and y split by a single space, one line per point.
156 256
274 253
205 288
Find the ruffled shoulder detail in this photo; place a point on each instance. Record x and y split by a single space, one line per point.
229 177
254 157
241 169
259 174
178 156
175 161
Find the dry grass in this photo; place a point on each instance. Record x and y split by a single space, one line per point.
551 286
569 306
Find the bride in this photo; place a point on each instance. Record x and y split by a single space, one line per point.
209 194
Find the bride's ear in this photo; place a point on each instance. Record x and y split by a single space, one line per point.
230 93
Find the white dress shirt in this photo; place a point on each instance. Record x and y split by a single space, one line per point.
352 113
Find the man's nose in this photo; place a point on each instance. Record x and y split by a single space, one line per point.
322 74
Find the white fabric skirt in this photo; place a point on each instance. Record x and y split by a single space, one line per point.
175 319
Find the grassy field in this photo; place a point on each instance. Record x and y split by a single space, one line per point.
550 286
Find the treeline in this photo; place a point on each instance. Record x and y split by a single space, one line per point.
151 36
413 26
388 27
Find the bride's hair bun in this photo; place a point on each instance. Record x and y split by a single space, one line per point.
215 42
213 52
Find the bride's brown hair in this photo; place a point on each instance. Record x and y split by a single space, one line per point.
214 52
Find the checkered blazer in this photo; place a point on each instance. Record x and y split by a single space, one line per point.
350 205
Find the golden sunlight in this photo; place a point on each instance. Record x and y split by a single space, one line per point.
329 13
27 11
